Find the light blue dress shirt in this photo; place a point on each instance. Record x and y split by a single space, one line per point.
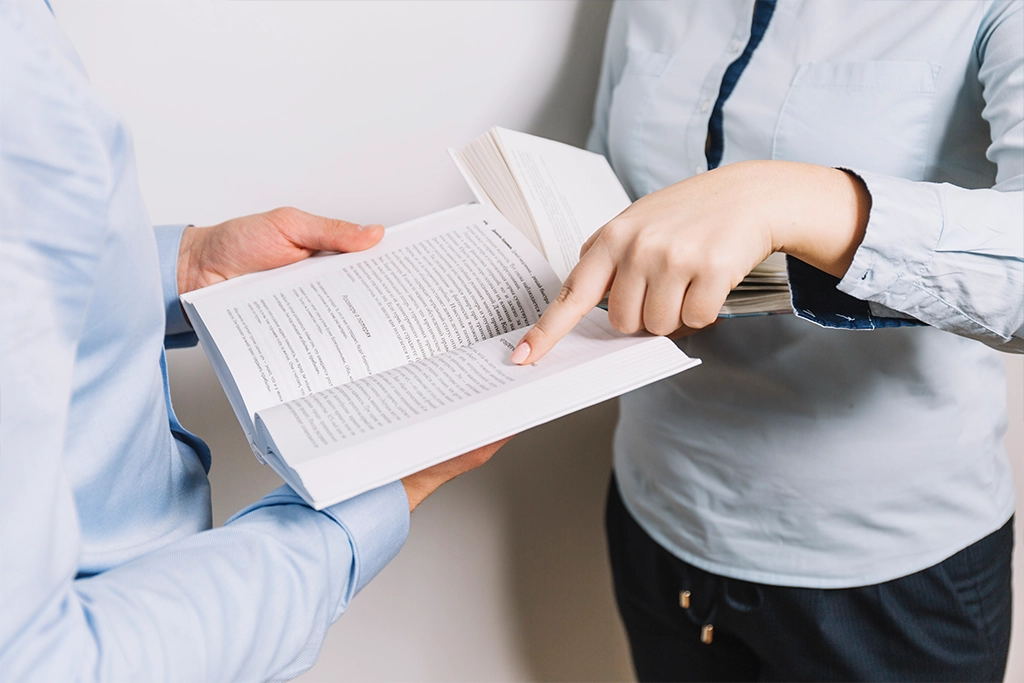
108 567
799 455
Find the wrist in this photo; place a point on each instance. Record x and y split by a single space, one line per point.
415 491
819 214
186 259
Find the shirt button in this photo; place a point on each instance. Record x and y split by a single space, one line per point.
698 170
705 105
735 46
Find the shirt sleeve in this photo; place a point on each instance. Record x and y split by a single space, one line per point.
250 601
946 256
178 333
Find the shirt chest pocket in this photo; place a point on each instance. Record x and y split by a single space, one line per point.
873 116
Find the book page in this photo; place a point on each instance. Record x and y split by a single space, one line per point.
345 440
484 169
448 281
570 192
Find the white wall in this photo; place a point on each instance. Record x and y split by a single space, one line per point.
345 108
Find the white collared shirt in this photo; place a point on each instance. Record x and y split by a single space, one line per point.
805 456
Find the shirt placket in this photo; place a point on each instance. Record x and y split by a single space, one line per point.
697 130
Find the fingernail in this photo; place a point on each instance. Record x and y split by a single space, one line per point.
369 226
521 353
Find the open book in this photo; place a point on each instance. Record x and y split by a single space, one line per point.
350 371
558 195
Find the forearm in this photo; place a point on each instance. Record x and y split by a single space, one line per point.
249 601
948 256
817 214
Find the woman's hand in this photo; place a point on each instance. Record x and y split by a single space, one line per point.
670 259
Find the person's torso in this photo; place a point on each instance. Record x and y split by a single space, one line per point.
794 454
135 486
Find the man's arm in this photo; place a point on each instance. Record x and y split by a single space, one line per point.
249 601
250 244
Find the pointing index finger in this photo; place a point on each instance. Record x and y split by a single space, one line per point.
583 289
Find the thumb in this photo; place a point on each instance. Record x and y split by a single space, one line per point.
310 231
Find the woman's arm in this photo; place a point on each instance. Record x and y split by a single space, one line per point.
950 257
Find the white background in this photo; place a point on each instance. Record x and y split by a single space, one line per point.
346 108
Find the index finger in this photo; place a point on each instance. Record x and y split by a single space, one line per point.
583 289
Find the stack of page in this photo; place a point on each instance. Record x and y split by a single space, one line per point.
558 195
764 291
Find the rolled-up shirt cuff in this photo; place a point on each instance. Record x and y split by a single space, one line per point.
857 301
177 330
903 228
925 242
816 297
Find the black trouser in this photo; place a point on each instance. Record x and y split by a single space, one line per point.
950 622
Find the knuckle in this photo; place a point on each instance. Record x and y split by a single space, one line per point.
699 319
653 249
613 230
639 251
617 234
677 260
661 327
717 263
623 324
644 242
286 214
568 295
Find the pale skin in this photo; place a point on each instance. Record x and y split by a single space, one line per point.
279 237
669 260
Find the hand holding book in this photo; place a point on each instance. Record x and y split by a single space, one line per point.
251 244
672 259
350 371
353 370
558 196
